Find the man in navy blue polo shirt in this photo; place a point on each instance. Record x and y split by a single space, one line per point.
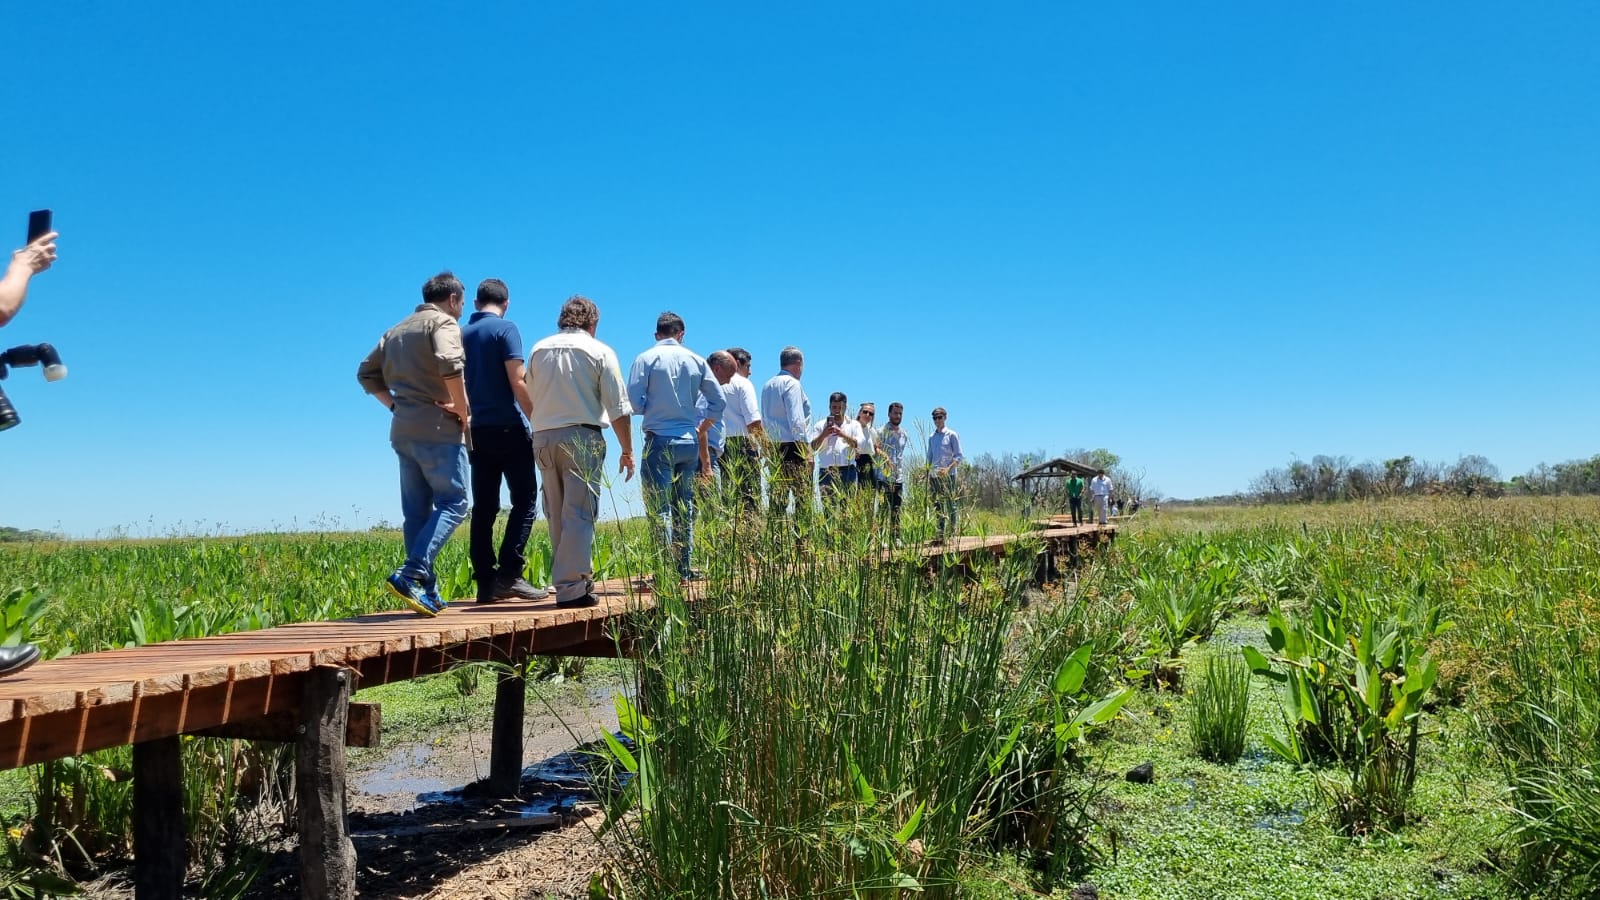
501 446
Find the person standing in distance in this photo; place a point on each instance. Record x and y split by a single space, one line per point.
416 372
867 453
714 443
892 443
501 446
741 461
575 386
25 263
663 386
1100 491
786 419
835 441
1075 497
944 454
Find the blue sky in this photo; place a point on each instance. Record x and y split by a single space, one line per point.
1206 237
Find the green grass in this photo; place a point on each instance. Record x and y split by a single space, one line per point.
879 692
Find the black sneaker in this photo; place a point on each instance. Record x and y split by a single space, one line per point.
15 659
694 575
579 602
518 589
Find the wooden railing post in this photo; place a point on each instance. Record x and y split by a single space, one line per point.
160 855
505 743
327 856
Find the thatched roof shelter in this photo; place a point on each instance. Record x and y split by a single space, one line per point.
1034 479
1055 468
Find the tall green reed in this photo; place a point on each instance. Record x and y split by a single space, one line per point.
826 719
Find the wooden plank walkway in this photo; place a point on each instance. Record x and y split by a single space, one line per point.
70 706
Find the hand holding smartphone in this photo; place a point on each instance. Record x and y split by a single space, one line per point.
39 224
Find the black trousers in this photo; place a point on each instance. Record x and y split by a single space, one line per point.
792 479
741 471
1077 509
501 453
867 473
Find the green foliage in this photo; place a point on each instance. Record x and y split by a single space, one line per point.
20 611
1220 710
1355 674
827 721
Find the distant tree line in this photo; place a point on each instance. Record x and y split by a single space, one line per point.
1326 478
17 535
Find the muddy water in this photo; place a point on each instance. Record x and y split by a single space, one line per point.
408 776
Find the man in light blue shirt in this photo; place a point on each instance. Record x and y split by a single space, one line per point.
786 417
666 382
944 454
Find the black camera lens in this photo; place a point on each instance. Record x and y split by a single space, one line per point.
8 413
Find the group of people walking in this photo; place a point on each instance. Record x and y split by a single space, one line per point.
465 395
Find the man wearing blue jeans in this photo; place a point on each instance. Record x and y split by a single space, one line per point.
664 385
415 371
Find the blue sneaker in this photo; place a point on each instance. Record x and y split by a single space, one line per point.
432 595
411 593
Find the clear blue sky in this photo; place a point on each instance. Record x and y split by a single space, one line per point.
1206 237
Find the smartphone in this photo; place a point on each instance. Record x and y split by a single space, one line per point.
38 224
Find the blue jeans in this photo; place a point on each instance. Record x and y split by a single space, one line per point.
943 490
832 481
668 484
433 500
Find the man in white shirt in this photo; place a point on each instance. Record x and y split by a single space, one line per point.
834 441
741 443
892 443
786 419
944 454
575 385
1100 493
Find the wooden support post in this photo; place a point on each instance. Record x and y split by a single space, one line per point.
327 857
159 852
505 743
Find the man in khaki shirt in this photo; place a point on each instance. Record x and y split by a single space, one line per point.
416 372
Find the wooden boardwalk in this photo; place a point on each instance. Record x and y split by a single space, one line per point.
70 706
293 683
